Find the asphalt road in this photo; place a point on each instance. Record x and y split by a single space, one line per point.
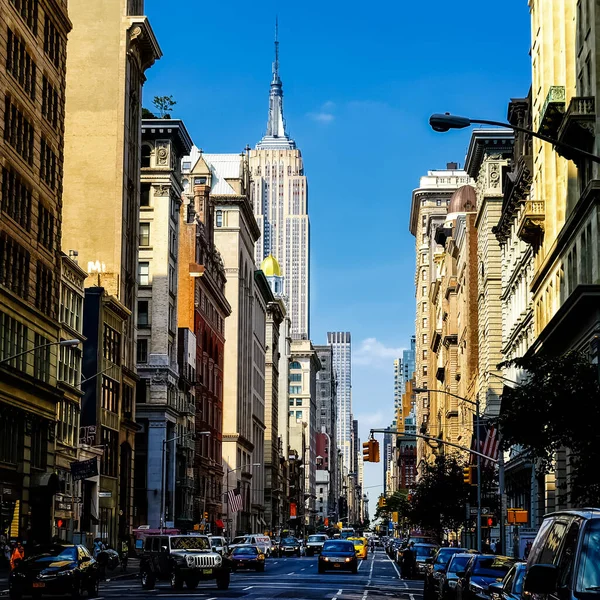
284 578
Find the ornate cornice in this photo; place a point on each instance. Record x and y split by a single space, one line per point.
142 42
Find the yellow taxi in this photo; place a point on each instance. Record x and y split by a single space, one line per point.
360 546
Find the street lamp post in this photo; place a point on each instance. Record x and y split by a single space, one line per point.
163 486
444 122
477 406
66 343
229 471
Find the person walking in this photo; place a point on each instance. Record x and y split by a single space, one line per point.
409 560
18 554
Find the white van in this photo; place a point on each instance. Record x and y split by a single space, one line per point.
255 539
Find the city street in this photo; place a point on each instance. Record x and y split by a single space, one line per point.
294 578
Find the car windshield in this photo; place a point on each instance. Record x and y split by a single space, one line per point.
189 543
290 541
317 538
338 546
458 564
54 553
492 566
588 577
239 540
425 551
445 554
245 551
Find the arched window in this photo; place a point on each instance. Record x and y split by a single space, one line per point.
146 150
295 365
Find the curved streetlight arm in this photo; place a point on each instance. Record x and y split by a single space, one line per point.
67 343
423 390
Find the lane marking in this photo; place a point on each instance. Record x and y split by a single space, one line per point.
291 573
339 592
248 588
395 567
365 594
411 596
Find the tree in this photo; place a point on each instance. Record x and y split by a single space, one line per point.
146 114
557 407
440 497
164 105
397 502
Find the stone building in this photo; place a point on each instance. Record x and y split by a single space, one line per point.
110 49
33 51
161 410
428 209
202 310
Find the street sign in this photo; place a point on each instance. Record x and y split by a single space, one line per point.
473 511
104 494
84 469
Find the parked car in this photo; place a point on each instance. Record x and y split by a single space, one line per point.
55 569
511 587
182 559
480 571
314 544
434 570
289 546
219 544
247 557
424 552
565 556
338 555
450 576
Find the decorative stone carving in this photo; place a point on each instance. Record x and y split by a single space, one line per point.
162 190
162 154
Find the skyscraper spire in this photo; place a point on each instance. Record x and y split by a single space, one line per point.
276 136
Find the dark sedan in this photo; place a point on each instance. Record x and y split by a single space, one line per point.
434 571
450 576
338 555
55 569
247 557
511 587
482 570
289 546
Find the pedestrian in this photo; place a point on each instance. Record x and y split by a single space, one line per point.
409 559
493 546
98 547
18 554
528 546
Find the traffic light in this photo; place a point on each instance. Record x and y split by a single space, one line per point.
488 521
371 451
206 516
381 502
467 475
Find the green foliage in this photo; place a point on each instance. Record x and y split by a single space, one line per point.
556 407
440 497
164 105
146 114
397 502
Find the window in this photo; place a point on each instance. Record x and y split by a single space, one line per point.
295 365
144 273
142 351
553 542
424 354
298 415
424 275
49 102
13 341
424 338
146 150
41 358
110 457
145 194
127 401
28 9
424 290
438 202
143 319
71 308
112 345
45 228
110 394
20 64
295 389
52 42
18 131
67 424
219 218
14 266
47 164
296 377
424 306
69 365
16 198
298 401
39 444
144 234
44 288
424 370
186 165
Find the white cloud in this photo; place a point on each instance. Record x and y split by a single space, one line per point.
324 114
373 353
371 420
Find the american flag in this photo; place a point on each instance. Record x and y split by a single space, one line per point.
489 444
235 500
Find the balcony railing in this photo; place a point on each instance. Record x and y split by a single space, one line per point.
552 112
578 127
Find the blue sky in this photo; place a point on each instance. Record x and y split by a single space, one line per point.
360 81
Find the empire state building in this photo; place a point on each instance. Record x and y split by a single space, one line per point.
280 199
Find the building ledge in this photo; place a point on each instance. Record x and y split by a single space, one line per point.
578 127
552 111
530 227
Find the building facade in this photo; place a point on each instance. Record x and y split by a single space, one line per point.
32 80
202 310
163 413
279 192
428 209
341 346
